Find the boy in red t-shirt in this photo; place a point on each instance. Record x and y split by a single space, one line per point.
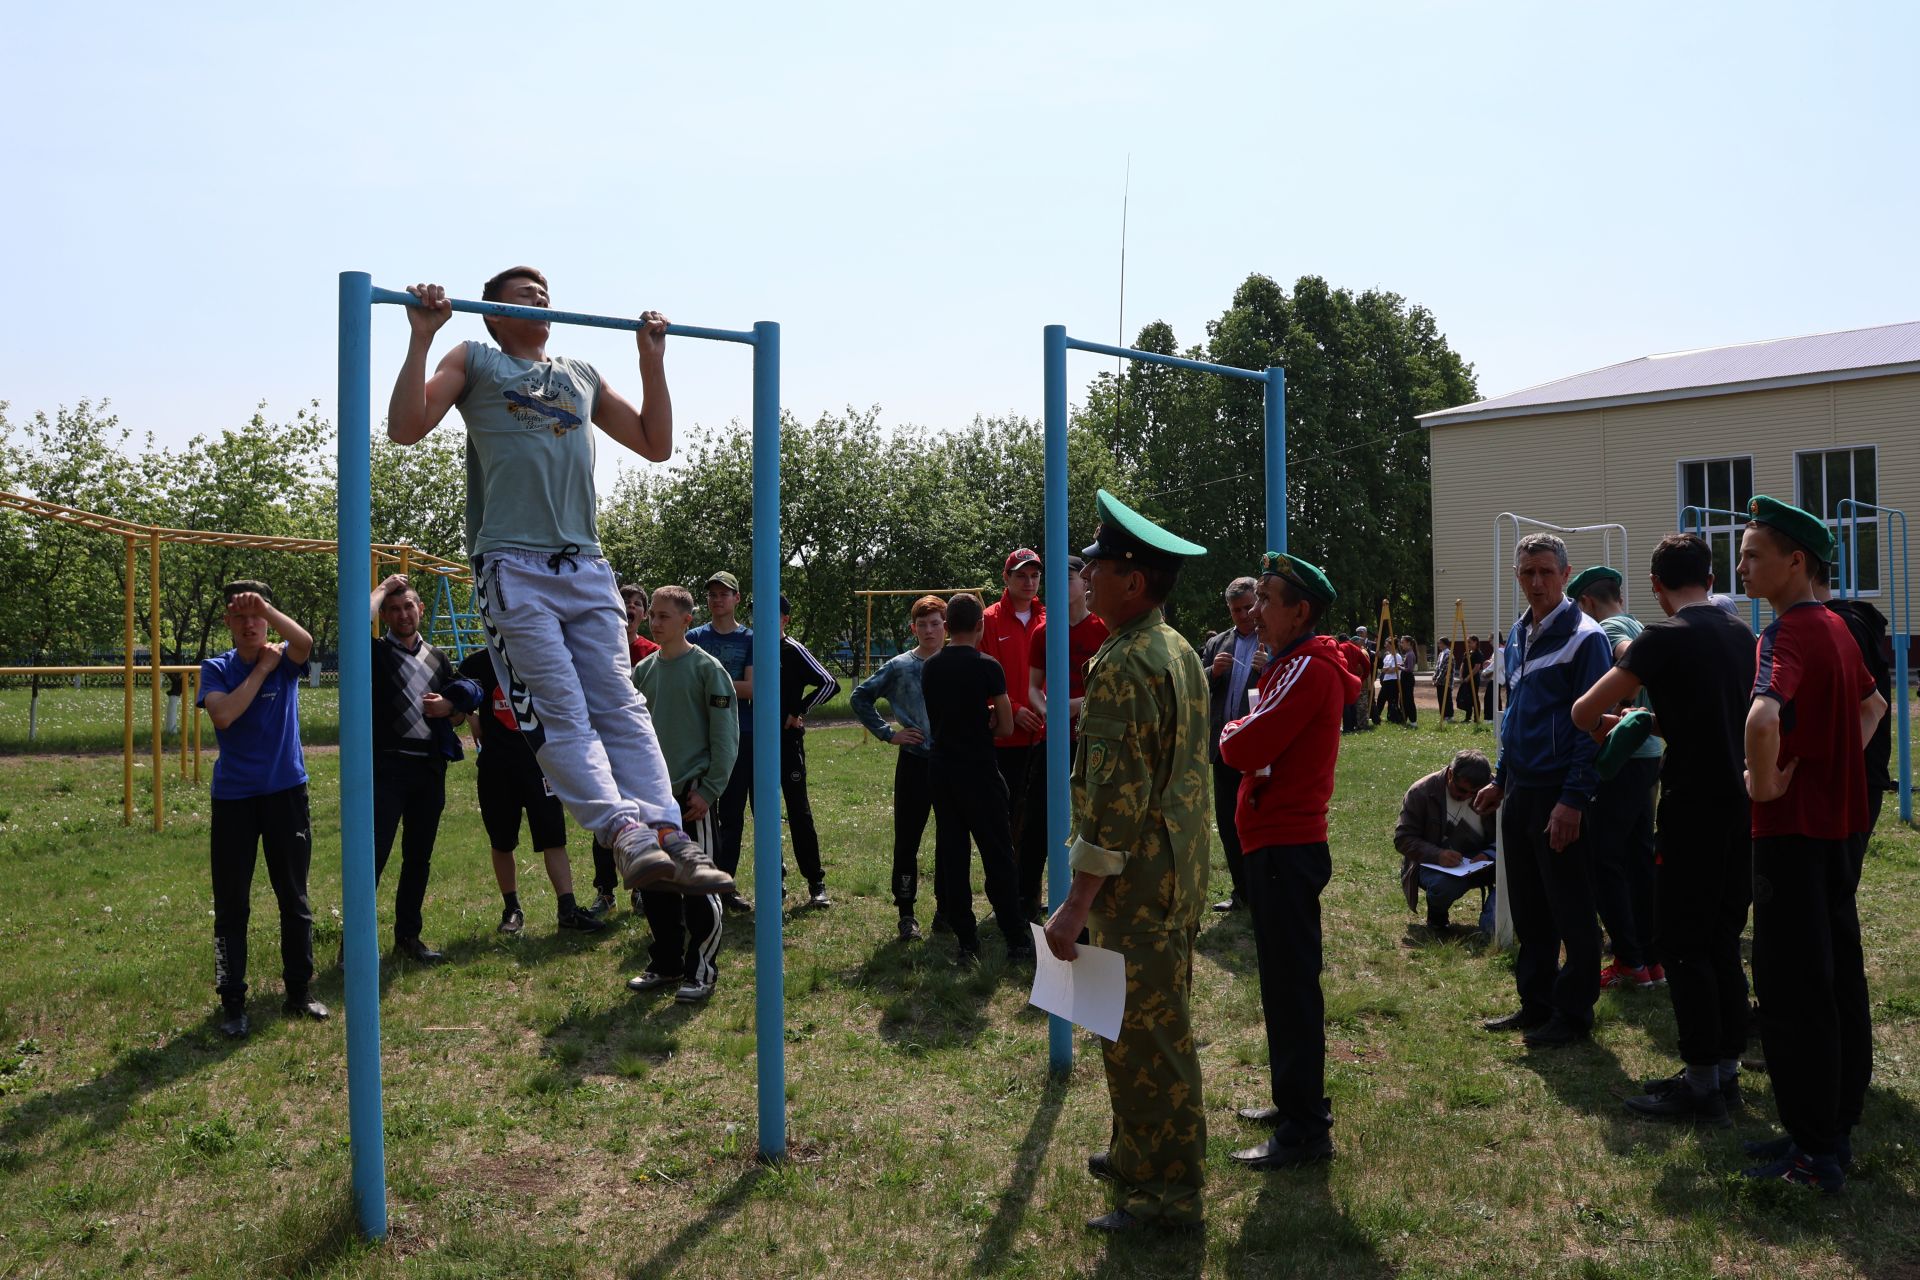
1085 634
1814 704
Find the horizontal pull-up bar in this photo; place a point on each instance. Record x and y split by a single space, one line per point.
508 311
1177 362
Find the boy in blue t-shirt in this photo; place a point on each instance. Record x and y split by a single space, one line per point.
259 797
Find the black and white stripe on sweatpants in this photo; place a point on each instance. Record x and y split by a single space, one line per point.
686 927
519 697
703 952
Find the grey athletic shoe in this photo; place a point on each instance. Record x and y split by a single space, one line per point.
638 857
693 993
693 869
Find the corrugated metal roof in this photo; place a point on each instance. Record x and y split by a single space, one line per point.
1749 366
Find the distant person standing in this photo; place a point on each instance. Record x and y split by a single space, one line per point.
1139 860
805 684
1543 785
418 699
898 681
1233 659
1006 636
1085 634
691 697
1814 708
259 795
967 708
723 636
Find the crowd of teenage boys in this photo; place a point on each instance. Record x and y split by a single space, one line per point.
1764 757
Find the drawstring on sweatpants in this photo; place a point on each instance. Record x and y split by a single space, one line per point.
565 553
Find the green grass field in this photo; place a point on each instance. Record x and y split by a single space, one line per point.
542 1121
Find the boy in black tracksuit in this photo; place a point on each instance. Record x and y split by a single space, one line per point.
804 685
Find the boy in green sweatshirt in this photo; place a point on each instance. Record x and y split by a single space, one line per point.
690 697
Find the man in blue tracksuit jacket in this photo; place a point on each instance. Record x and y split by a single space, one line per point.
1542 786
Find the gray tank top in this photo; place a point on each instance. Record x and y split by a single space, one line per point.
530 452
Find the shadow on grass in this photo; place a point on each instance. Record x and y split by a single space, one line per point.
1227 940
666 1259
312 1234
927 1001
1027 1161
1296 1228
1874 1221
102 1103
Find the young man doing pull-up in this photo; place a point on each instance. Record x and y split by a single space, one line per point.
554 619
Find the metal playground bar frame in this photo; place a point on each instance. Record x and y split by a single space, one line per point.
1055 345
358 296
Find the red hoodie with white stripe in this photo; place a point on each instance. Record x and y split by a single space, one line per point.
1287 747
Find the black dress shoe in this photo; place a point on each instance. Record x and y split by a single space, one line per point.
234 1025
1683 1106
1275 1153
1556 1033
1120 1221
1259 1115
301 1005
418 951
1519 1020
1100 1165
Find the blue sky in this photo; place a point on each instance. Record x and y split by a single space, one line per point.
914 192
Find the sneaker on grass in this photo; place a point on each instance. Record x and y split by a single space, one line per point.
693 992
1617 977
512 920
651 981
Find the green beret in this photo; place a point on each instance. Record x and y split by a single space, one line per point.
1627 737
1125 534
1308 578
1587 577
1803 528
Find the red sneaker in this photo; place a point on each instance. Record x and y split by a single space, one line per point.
1617 976
1656 976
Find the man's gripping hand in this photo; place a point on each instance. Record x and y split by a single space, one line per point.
651 336
434 312
1487 799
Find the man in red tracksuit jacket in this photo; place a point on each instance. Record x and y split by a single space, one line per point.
1285 751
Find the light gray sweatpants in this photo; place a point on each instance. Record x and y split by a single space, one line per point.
558 634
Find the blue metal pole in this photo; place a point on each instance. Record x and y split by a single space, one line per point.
770 1041
1172 362
1276 407
1059 797
362 959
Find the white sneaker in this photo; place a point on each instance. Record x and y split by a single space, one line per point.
638 857
651 981
693 869
693 992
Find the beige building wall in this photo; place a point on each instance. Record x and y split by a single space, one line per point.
1622 465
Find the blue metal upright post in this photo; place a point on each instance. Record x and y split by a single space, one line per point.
362 960
769 978
1059 798
1276 446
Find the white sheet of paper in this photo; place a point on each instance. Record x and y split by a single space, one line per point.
1090 990
1464 869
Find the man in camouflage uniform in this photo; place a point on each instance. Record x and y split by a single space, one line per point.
1139 859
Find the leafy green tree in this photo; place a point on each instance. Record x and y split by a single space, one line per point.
1359 369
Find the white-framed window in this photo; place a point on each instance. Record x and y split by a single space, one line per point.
1719 486
1821 479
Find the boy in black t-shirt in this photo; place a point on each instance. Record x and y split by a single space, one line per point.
967 707
1697 668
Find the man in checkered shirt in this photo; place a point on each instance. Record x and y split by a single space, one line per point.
418 698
